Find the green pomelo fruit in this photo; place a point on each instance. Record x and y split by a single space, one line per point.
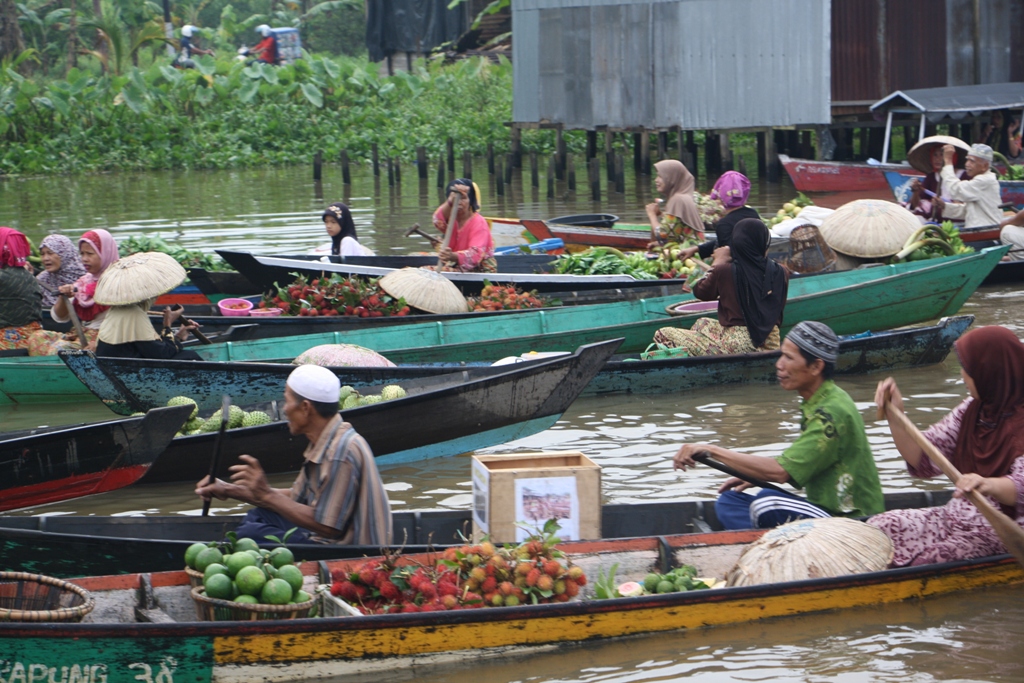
250 580
238 561
218 586
192 553
246 544
247 599
255 555
291 574
666 587
302 596
276 592
651 582
215 568
279 557
208 557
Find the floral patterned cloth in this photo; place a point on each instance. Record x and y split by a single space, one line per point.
707 337
17 337
672 229
955 531
48 342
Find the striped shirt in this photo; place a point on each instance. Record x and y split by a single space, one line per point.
339 480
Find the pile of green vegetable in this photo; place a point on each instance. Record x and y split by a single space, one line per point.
933 241
187 258
607 261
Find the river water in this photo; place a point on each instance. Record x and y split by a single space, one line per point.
969 637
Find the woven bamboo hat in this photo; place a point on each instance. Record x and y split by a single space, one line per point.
137 278
920 155
812 549
426 290
342 355
869 228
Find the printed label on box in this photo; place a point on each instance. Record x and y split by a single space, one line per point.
538 500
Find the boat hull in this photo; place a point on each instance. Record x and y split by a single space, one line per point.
837 176
307 649
54 464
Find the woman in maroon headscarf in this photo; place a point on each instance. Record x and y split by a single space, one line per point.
984 439
19 292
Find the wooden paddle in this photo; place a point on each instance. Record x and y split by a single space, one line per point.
79 330
203 339
415 230
225 410
706 458
1007 529
454 199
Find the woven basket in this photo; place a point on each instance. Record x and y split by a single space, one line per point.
195 578
808 251
212 609
35 598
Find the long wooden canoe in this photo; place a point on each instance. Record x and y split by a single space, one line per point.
440 417
51 464
128 385
80 545
877 298
113 643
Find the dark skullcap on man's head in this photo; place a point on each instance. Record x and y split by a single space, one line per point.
817 339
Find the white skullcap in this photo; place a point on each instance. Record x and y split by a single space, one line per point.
187 30
315 383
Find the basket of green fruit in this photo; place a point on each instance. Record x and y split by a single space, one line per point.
239 581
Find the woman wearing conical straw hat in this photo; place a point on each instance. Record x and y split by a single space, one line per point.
471 247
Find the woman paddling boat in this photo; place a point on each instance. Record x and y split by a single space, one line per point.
983 437
470 248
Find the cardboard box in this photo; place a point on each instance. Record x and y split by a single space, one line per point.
514 495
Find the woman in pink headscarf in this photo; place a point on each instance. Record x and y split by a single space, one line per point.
732 190
19 292
98 250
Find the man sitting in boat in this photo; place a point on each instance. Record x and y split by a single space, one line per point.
470 248
751 291
1011 231
338 496
831 458
977 198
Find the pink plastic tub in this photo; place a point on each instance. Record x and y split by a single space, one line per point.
243 306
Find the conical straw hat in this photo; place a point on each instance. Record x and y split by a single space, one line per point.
812 549
138 277
869 228
342 355
425 289
920 155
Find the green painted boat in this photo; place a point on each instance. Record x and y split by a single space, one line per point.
877 298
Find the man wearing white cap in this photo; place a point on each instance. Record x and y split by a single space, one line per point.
338 496
831 459
977 197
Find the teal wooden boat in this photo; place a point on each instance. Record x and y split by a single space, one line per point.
877 298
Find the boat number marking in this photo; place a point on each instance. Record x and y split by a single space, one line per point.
20 672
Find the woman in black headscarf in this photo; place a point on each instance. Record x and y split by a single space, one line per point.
342 229
751 291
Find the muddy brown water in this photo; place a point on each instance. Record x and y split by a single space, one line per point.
972 637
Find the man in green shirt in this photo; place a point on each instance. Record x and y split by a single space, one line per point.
831 458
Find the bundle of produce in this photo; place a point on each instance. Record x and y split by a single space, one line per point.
671 267
607 261
237 418
494 297
350 398
790 209
710 210
1013 172
239 571
467 577
187 258
933 241
335 295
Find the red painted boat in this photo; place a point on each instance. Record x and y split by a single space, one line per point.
574 235
839 176
52 464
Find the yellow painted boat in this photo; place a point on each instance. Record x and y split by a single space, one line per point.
111 645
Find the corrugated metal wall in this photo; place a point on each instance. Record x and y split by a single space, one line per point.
879 46
650 64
